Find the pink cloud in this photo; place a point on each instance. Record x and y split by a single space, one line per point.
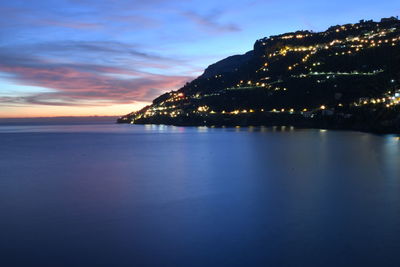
73 85
210 23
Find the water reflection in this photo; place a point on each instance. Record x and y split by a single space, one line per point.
123 195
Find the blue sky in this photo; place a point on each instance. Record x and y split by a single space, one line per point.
81 57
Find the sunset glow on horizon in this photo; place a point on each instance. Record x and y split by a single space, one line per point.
33 111
86 58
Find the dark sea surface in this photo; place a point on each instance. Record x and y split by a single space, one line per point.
102 194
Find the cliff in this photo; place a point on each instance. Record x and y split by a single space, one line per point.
346 77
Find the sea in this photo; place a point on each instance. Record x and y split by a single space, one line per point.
90 192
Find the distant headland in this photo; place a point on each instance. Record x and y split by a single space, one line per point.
347 77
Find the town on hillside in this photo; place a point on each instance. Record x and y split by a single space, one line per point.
347 77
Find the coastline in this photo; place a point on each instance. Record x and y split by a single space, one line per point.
321 122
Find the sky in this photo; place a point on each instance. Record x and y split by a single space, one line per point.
111 57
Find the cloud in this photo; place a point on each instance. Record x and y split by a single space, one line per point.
74 87
83 16
69 24
86 49
82 83
210 22
135 20
83 52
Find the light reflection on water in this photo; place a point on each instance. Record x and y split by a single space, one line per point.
123 195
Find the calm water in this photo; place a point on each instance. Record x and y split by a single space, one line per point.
122 195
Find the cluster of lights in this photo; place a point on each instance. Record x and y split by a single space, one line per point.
332 74
295 36
203 108
368 38
348 46
175 96
389 100
206 110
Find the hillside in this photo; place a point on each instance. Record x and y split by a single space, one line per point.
346 77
